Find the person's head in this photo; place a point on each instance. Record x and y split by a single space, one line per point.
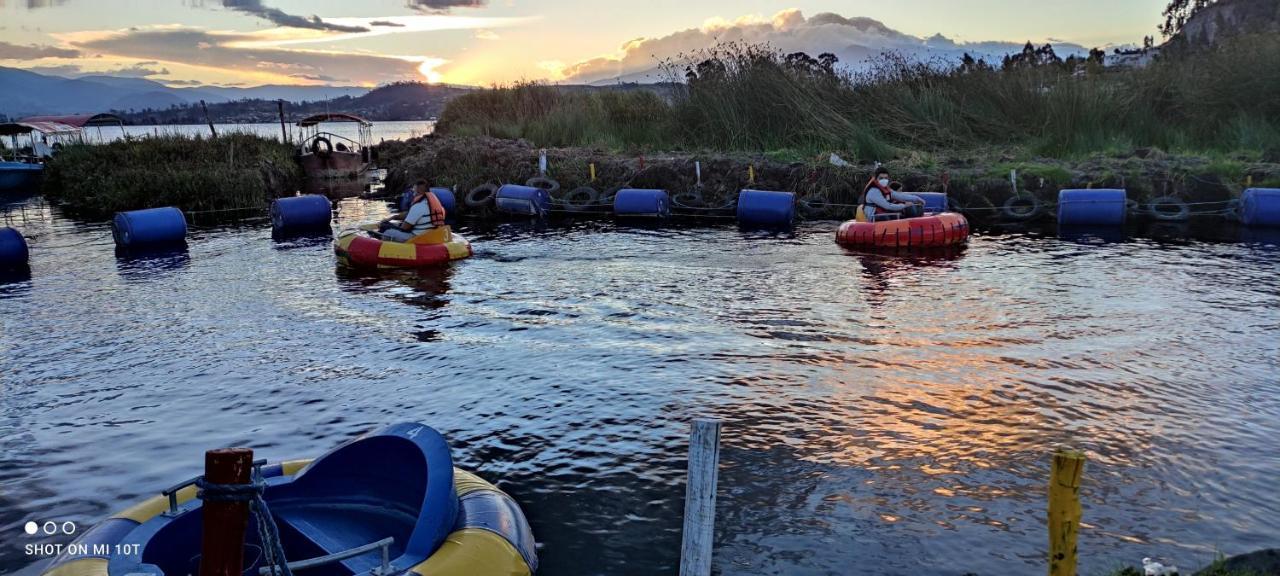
421 187
882 176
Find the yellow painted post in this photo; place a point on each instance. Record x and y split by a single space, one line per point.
1064 511
1248 181
593 171
751 173
1090 185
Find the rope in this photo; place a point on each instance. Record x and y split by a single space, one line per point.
268 532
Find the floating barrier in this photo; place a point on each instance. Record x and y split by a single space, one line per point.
766 209
934 202
398 483
946 229
13 250
1094 207
300 214
522 200
643 203
151 227
1260 207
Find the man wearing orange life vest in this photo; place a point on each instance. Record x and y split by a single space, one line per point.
425 212
877 197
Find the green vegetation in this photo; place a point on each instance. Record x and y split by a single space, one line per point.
231 171
1219 100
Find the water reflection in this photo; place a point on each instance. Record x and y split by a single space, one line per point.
1092 234
151 263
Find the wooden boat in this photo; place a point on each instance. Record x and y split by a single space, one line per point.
929 231
389 503
325 155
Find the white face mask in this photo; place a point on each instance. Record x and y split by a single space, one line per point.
884 182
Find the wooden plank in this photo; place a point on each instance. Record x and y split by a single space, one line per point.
700 498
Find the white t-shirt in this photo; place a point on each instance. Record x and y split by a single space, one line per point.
420 216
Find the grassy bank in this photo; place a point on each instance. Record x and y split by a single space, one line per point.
192 173
750 98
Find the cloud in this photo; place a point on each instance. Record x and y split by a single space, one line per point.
59 70
10 51
484 34
277 16
183 82
37 4
443 5
317 77
853 39
139 70
243 53
386 23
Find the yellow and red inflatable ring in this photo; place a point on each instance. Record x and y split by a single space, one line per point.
358 249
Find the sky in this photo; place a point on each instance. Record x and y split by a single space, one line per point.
483 42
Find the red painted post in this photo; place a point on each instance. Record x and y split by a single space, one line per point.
222 543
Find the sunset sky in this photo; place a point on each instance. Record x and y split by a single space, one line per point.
251 42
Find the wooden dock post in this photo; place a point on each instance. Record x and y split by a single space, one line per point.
222 541
1064 511
284 133
700 498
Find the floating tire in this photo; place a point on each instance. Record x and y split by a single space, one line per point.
1021 208
324 151
581 198
689 199
1132 207
955 205
1168 209
481 196
548 184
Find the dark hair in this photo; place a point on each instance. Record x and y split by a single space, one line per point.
420 183
881 170
895 186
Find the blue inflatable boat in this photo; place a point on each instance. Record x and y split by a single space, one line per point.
389 503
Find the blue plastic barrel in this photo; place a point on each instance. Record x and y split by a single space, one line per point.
13 249
522 200
151 227
300 213
1095 207
644 203
447 199
445 195
1260 207
934 202
764 208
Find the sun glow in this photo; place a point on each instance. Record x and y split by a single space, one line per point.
428 69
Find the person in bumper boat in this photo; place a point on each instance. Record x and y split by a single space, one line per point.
425 212
878 199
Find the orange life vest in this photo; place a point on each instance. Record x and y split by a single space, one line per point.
888 194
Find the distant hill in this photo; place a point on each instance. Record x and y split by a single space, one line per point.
25 93
399 101
1226 18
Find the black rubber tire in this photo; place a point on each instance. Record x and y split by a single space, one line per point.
315 147
1021 208
1168 209
481 196
954 205
581 198
548 184
689 199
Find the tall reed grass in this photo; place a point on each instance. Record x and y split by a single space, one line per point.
193 173
739 97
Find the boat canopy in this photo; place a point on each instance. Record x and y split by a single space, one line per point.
77 120
337 117
45 127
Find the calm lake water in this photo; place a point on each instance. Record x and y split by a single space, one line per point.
400 130
883 415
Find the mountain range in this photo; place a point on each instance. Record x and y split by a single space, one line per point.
26 93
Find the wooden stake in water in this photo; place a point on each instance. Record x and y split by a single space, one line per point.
1064 511
284 133
222 542
207 119
700 498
